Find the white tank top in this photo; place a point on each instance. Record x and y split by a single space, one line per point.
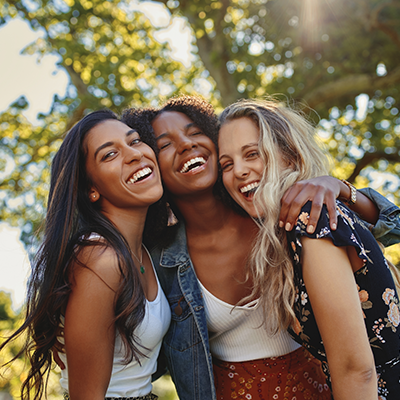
134 380
237 333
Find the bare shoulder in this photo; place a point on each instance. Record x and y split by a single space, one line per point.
97 263
321 248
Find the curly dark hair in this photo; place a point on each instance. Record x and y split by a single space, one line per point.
196 108
203 115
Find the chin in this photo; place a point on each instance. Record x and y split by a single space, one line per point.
250 210
157 196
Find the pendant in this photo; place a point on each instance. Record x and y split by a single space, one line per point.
142 268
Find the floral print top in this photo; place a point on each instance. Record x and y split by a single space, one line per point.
378 297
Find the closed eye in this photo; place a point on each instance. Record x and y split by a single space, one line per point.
164 145
226 166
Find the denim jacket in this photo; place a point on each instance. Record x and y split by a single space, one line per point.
186 346
387 228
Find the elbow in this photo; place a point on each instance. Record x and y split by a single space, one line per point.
367 375
355 367
361 372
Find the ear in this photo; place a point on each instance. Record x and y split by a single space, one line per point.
94 195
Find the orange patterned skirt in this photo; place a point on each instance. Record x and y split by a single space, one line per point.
294 376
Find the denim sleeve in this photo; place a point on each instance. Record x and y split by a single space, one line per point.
387 228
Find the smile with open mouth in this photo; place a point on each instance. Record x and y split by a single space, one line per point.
140 175
249 189
192 164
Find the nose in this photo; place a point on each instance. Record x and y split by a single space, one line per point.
240 170
186 143
132 154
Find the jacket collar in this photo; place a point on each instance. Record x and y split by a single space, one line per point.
177 253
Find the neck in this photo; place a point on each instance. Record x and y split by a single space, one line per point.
131 225
202 212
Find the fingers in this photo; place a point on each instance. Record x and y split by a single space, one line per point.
290 206
315 212
320 191
331 206
322 196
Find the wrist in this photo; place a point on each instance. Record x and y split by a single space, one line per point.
351 197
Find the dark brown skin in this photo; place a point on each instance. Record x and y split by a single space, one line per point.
219 242
322 190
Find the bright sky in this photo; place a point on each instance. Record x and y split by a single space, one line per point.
39 80
14 265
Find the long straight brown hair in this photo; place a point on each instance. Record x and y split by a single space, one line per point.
70 220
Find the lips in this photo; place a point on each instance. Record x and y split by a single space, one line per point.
192 164
140 175
249 189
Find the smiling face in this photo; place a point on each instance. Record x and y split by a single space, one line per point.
187 157
242 167
123 170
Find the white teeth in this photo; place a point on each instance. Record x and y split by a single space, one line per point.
249 187
195 160
140 174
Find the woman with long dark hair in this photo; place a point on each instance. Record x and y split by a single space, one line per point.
93 282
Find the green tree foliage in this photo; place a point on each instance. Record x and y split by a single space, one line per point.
112 59
321 55
13 374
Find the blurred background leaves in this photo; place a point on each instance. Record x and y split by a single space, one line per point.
336 59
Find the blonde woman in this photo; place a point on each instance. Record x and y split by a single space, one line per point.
332 289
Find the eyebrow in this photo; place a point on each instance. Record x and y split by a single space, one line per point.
186 128
108 144
243 148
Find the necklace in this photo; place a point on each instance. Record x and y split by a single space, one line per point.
142 269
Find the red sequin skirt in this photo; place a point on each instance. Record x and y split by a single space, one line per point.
294 376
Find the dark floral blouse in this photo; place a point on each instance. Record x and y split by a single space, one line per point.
378 297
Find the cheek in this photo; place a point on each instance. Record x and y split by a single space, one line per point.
228 183
166 172
163 164
104 178
260 168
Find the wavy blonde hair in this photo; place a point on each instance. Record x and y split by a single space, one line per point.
285 135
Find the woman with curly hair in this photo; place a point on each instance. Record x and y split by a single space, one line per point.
92 277
332 289
201 264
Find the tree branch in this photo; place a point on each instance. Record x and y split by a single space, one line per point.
214 52
82 89
384 27
368 159
351 85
